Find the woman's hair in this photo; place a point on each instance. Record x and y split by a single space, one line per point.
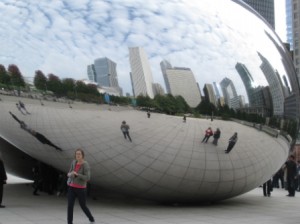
79 150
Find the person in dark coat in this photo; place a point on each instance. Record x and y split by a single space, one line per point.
232 142
217 135
3 179
291 175
268 188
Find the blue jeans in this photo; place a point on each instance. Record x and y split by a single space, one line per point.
80 193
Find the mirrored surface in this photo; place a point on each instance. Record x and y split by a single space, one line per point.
240 62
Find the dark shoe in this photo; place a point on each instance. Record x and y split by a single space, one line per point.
2 206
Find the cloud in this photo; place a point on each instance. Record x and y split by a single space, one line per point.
63 37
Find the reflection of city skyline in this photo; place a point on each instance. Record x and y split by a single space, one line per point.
181 81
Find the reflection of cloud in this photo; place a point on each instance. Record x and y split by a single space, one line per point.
65 36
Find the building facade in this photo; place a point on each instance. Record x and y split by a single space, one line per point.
141 75
104 73
230 95
182 82
265 8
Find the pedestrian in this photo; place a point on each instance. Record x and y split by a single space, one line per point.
78 176
217 135
267 188
37 180
184 118
3 179
208 133
148 114
125 129
291 175
232 142
22 106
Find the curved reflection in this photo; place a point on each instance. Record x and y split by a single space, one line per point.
200 50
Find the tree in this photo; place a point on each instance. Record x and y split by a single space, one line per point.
40 80
4 77
16 76
68 85
54 84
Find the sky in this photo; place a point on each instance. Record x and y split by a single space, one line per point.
63 37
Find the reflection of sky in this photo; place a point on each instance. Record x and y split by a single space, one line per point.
63 37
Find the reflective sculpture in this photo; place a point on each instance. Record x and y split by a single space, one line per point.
240 63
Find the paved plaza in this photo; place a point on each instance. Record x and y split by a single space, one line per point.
252 207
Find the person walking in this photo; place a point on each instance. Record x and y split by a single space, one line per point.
267 188
216 136
3 179
125 129
208 133
232 142
78 176
291 175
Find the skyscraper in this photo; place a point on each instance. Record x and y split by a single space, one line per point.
141 75
289 22
230 94
182 82
275 84
296 33
164 65
104 72
209 93
265 8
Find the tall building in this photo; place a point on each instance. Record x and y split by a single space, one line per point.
104 73
182 82
230 95
289 22
255 95
209 94
141 75
265 8
164 65
275 85
296 32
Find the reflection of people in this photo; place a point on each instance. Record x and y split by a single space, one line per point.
36 134
125 130
148 114
207 135
3 179
19 108
22 106
232 142
184 118
78 176
216 136
291 175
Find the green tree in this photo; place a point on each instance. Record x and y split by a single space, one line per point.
181 105
68 85
40 80
54 84
4 77
16 77
205 107
144 101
